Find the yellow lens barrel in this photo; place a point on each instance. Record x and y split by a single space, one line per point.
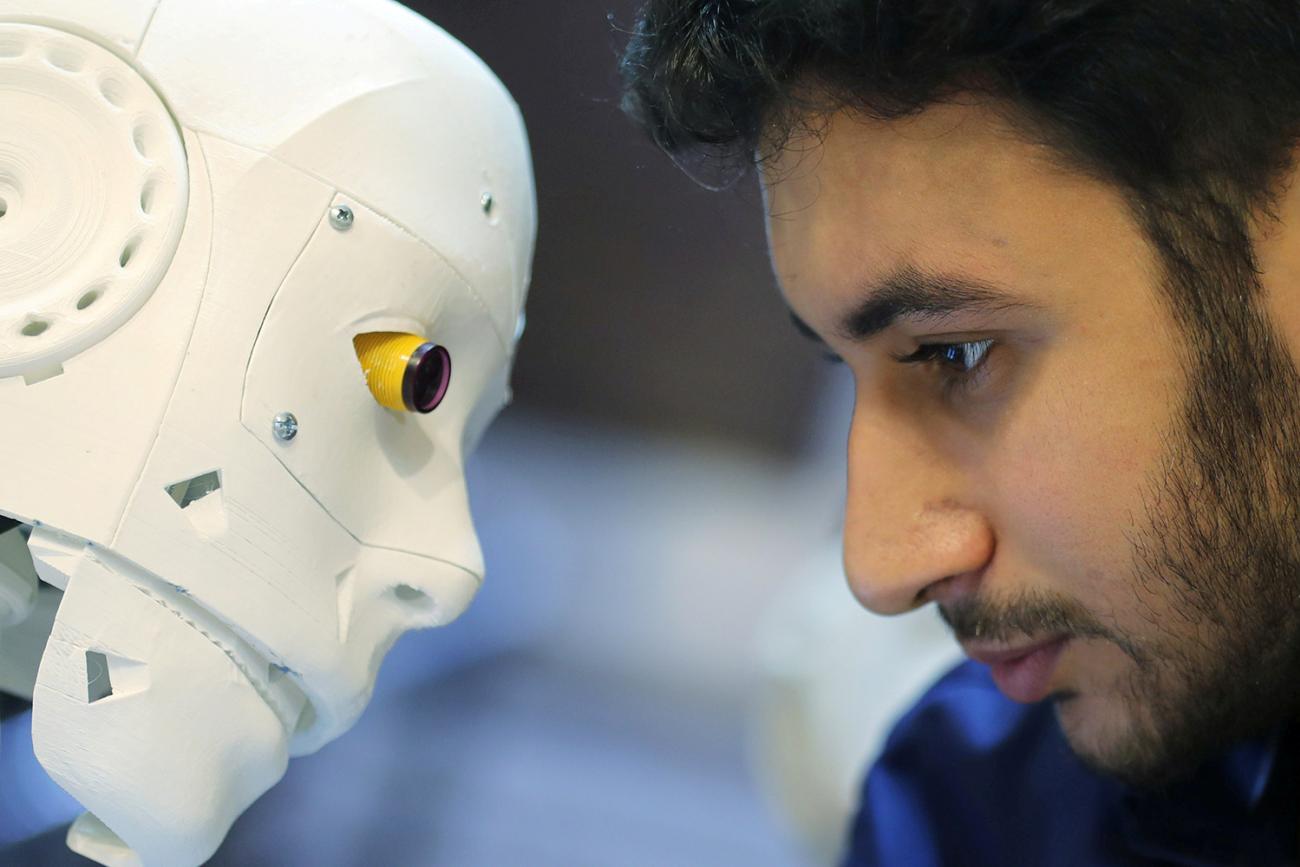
405 372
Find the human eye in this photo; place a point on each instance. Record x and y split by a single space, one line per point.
959 364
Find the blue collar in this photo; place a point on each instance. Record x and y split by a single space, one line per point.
1244 800
969 777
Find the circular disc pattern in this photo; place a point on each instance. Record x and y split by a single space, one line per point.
93 192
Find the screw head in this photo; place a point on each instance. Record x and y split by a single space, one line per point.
285 426
486 201
341 217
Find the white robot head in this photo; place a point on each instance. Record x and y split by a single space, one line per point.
262 268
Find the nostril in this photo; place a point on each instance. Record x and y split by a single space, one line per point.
412 596
904 550
951 589
887 587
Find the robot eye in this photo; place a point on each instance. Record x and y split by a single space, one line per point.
405 372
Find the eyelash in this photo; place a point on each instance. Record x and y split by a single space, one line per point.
940 355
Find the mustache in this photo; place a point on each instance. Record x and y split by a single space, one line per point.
1025 616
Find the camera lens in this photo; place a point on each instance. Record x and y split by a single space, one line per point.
428 374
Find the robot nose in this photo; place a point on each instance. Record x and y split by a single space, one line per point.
405 372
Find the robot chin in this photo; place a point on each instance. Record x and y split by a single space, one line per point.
159 731
166 724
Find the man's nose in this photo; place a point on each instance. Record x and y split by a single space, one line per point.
909 535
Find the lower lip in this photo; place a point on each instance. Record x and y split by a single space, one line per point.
1026 679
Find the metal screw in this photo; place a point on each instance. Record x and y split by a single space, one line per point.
341 217
486 202
285 426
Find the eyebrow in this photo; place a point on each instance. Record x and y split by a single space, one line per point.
912 293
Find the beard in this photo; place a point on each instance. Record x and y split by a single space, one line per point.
1215 563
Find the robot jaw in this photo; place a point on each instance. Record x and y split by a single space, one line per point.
165 721
156 716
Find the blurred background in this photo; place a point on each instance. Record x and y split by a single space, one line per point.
664 666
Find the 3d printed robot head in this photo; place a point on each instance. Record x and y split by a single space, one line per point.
261 268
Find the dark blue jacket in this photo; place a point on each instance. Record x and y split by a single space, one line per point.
969 777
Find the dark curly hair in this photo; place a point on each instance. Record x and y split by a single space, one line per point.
1190 108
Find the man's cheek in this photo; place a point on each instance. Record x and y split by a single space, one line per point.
1055 512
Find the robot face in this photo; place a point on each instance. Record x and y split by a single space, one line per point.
261 266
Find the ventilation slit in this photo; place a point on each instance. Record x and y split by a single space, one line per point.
98 685
202 502
128 251
192 490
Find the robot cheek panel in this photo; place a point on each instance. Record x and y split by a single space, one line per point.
222 251
392 478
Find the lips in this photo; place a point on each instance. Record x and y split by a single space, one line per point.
1023 673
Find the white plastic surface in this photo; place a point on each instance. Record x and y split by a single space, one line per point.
248 623
93 197
165 679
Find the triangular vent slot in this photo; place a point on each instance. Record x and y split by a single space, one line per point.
192 490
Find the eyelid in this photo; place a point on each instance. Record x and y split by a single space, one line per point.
928 355
927 351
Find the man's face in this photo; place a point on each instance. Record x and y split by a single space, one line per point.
1103 512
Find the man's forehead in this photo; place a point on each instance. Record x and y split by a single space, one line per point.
952 190
897 148
959 155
